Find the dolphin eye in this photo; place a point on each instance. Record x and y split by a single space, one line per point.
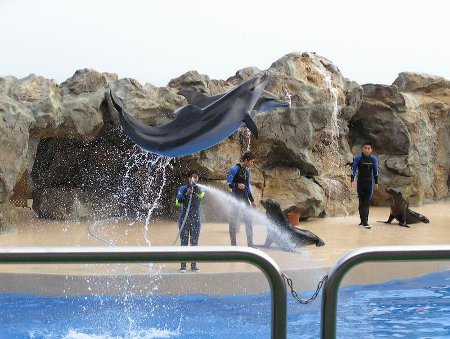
252 89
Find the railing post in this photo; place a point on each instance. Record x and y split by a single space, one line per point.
368 254
164 254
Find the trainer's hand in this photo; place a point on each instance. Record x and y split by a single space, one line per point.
376 187
189 191
253 204
353 184
241 186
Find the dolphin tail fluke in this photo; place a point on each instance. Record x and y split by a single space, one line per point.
251 125
114 100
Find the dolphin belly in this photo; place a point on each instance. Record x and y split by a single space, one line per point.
194 128
194 143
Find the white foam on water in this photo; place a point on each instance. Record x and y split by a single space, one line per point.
151 333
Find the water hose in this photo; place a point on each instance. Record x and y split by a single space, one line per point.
184 219
92 233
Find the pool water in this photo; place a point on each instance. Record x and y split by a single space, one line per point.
413 308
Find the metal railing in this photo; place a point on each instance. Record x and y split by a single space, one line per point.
23 255
369 254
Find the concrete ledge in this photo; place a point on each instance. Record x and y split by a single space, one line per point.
225 283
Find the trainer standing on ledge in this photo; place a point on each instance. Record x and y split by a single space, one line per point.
366 165
239 181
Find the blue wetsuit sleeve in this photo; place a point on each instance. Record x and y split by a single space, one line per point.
231 175
180 195
199 191
355 166
249 191
375 169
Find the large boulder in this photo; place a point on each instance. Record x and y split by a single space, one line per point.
409 125
294 192
81 97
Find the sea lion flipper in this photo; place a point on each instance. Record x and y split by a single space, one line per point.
391 217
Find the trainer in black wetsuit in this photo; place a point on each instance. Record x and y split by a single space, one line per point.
239 181
365 168
190 196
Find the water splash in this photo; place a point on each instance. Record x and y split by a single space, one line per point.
411 101
287 96
258 218
140 194
151 333
244 136
333 128
161 166
331 187
142 186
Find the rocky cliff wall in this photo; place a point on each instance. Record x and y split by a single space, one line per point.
79 164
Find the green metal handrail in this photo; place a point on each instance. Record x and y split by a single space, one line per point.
369 254
22 255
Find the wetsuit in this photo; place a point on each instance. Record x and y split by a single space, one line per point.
191 228
367 168
240 175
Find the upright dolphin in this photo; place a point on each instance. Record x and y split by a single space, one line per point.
194 128
266 101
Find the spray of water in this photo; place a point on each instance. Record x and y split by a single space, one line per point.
161 168
258 219
287 96
333 128
332 187
142 186
140 194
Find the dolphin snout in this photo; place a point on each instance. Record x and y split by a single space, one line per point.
283 103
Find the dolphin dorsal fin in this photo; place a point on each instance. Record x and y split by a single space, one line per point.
198 99
188 112
251 125
192 97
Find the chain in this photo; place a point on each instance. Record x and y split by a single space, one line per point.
295 295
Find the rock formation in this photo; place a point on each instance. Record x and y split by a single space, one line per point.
66 141
409 125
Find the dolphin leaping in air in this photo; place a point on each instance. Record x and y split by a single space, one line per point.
197 128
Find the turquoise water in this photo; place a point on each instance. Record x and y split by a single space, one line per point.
413 308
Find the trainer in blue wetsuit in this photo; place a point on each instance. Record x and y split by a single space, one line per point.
365 169
191 227
238 180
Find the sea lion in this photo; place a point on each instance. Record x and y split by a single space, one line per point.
400 210
280 231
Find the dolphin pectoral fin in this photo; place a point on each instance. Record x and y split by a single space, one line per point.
251 125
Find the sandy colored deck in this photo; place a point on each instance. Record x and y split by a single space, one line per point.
341 234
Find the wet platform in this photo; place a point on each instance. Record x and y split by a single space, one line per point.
306 267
